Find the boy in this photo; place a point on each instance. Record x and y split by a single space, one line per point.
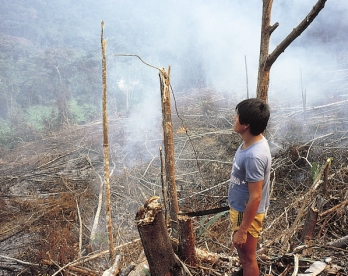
248 193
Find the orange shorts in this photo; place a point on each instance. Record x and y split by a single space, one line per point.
255 227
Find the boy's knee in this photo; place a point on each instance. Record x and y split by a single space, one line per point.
246 258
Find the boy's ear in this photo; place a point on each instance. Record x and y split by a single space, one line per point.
246 126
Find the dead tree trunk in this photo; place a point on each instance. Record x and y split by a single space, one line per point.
264 68
311 220
288 233
187 251
106 150
266 60
317 205
156 241
169 149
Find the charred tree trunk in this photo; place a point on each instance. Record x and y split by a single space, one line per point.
311 220
187 251
156 241
169 150
266 60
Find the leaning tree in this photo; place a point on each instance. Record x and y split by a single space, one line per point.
267 59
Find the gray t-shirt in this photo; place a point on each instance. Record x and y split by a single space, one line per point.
252 164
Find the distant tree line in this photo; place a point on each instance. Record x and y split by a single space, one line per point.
50 65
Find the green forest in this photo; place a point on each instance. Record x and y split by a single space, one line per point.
47 78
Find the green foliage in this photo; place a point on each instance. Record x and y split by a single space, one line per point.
315 169
146 272
80 113
204 227
37 116
5 132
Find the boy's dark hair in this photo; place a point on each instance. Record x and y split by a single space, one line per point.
253 112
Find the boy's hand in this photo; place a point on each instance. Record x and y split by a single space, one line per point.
239 239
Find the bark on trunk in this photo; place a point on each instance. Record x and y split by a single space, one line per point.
310 223
264 69
106 150
187 251
156 241
169 150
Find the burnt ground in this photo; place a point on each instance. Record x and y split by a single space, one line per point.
49 189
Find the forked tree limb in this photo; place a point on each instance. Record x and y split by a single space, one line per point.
266 60
296 32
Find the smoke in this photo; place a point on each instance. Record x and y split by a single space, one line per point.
210 43
214 44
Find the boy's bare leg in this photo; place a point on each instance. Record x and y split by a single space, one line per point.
247 256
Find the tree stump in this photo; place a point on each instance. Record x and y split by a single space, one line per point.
156 241
312 217
187 252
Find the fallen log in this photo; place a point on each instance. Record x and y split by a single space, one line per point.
340 243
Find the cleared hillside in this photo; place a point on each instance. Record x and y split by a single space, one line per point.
49 189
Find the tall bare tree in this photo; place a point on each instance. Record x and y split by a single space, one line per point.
266 60
106 150
169 149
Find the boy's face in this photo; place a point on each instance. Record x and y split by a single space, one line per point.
238 127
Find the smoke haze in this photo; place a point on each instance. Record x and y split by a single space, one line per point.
208 44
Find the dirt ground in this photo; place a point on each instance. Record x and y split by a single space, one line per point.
50 189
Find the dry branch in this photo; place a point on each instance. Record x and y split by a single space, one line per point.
296 32
286 235
97 214
338 206
340 243
18 261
